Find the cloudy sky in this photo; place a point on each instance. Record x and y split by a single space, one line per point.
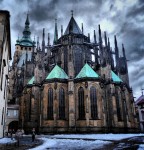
124 18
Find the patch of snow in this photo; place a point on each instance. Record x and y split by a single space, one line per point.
70 144
141 147
47 143
110 136
6 140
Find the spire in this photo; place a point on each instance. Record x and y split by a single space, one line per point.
37 43
116 54
48 39
89 36
123 49
26 32
100 37
61 30
55 32
27 20
82 28
72 27
43 40
105 36
95 37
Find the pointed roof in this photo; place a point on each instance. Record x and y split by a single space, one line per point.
26 39
140 100
57 73
87 71
72 27
30 82
115 77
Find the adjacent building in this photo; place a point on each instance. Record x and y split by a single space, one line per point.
140 111
5 56
72 85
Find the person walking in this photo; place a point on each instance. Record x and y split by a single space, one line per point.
18 135
33 134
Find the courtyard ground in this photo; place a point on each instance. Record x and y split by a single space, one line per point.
77 142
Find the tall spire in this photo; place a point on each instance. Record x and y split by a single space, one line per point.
61 30
123 49
105 36
48 39
95 37
26 32
116 54
100 37
37 43
43 40
55 33
82 29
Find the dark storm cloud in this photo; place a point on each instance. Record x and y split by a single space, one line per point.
136 10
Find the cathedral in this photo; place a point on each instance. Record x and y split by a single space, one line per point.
74 85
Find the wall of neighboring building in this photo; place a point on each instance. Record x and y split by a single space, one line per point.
4 65
141 116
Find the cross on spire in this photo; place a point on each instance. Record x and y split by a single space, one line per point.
72 13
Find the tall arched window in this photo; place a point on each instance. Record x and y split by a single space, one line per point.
118 106
50 104
93 100
61 103
81 107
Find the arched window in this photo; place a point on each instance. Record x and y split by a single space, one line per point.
50 104
93 100
81 107
61 103
118 106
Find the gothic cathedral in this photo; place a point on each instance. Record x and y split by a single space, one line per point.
73 85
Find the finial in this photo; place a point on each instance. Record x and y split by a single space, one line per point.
61 30
142 91
72 13
82 28
95 37
55 20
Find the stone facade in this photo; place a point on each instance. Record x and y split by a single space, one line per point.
5 56
73 86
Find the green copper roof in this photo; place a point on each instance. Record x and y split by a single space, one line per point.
87 71
26 39
58 73
115 77
31 81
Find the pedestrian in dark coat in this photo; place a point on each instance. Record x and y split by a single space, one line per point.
33 134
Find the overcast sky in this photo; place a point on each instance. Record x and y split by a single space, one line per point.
124 18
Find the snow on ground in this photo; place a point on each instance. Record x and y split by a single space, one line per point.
141 147
6 140
70 144
110 136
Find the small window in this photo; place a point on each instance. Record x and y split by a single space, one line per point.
29 48
25 48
